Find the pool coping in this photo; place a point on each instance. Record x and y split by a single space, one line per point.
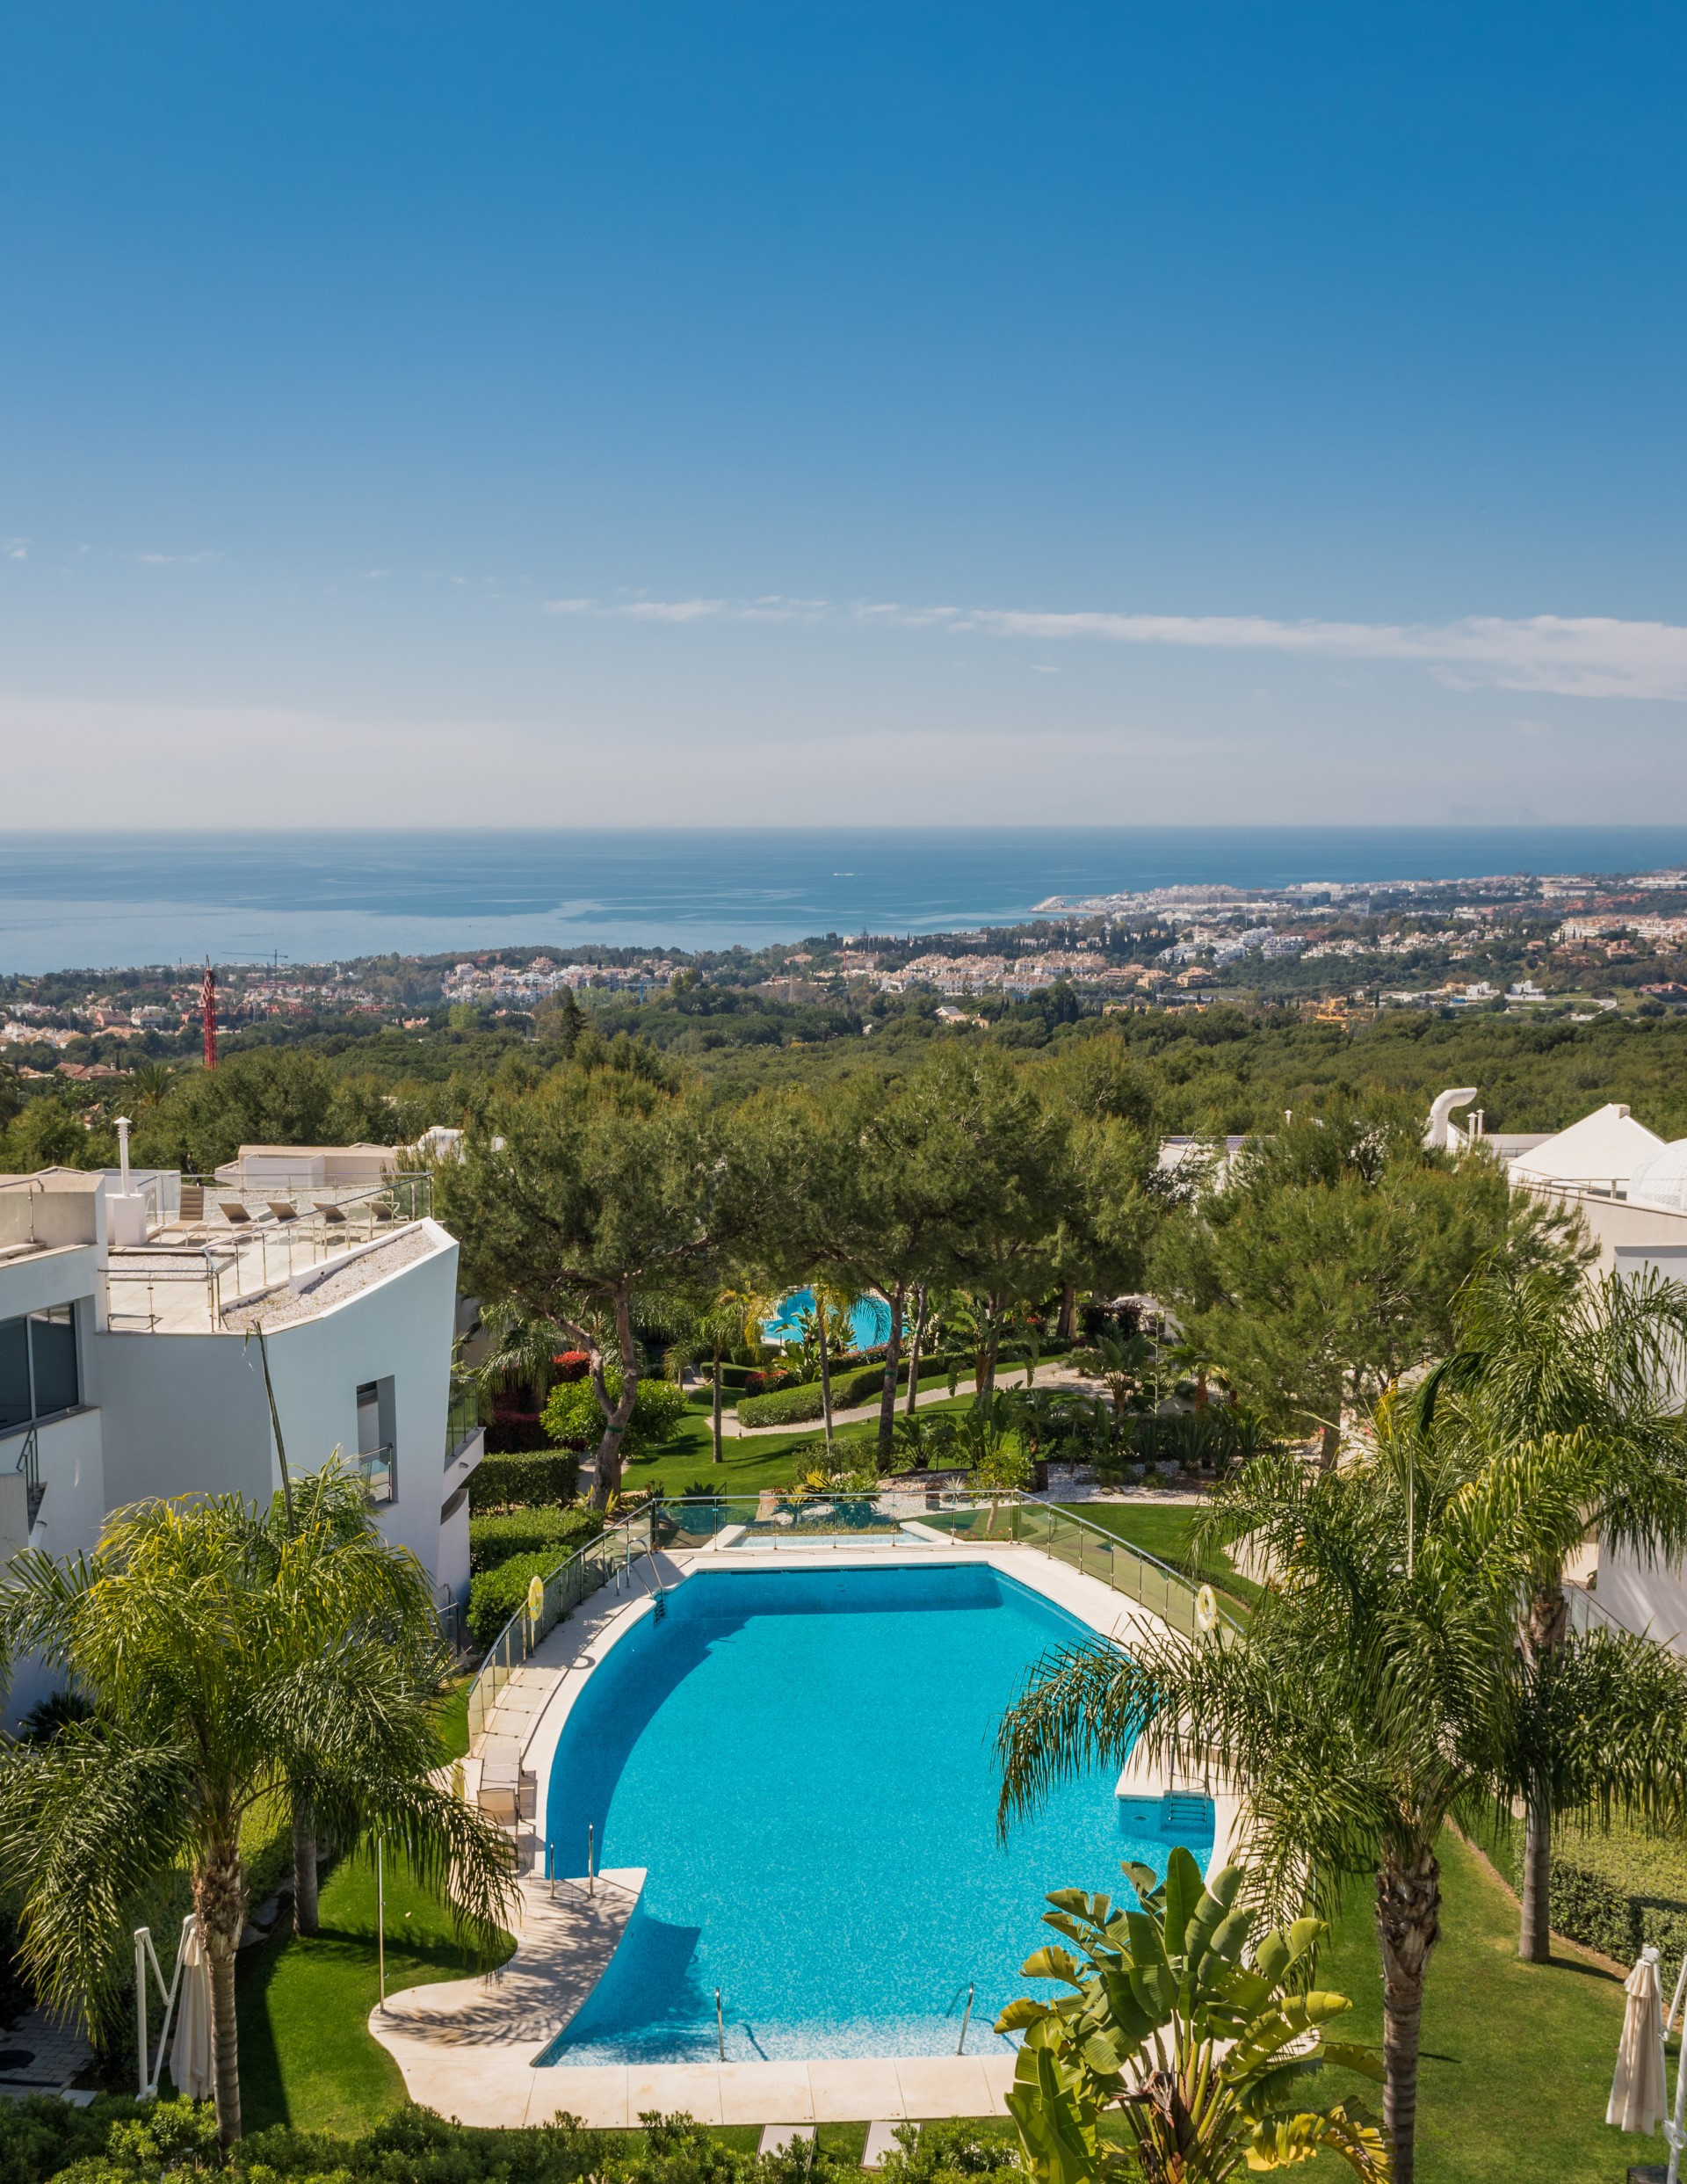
469 2049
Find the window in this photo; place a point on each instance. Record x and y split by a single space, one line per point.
376 1433
38 1366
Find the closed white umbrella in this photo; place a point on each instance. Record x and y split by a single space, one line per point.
1637 2090
191 2062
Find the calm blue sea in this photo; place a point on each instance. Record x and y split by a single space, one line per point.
93 900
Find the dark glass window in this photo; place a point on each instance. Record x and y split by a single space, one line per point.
38 1366
15 1406
52 1354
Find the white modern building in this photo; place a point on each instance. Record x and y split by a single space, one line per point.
135 1325
1629 1188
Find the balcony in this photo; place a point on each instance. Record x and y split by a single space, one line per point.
378 1468
228 1242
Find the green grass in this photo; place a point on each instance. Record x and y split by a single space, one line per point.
306 2053
453 1720
1162 1530
1516 2058
756 1460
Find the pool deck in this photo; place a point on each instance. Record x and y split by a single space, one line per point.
468 2047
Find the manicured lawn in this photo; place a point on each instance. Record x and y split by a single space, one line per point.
306 2055
756 1461
1516 2057
1162 1530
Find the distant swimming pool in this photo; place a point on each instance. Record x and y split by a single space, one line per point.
869 1317
802 1761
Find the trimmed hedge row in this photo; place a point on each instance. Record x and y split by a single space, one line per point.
1614 1893
801 1405
493 1540
524 1482
496 1594
787 1406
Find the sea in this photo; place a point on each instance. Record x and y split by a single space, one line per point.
99 901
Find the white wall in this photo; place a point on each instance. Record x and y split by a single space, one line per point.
188 1413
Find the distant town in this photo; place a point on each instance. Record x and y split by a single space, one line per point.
1563 945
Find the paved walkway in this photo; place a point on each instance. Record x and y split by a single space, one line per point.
1011 1381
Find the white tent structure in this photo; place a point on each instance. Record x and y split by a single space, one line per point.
1598 1155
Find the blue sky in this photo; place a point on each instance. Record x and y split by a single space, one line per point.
633 413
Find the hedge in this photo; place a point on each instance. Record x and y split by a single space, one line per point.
496 1594
493 1540
114 2141
525 1481
1611 1892
786 1406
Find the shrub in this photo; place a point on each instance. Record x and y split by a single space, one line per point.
493 1540
515 1433
788 1406
523 1481
1614 1893
866 1387
496 1594
572 1365
572 1415
760 1382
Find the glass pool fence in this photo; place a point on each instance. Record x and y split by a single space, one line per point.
767 1522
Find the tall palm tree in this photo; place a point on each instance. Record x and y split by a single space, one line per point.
319 1538
217 1664
1585 1378
1374 1695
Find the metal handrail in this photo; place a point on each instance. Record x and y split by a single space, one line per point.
1125 1568
29 1463
573 1579
462 1416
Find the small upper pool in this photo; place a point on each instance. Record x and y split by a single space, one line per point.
869 1319
802 1761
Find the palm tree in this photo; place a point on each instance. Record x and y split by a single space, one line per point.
1372 1695
1119 1362
222 1664
149 1086
827 1320
318 1538
1220 2050
523 1351
1582 1378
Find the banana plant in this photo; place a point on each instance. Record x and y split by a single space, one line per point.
1206 2049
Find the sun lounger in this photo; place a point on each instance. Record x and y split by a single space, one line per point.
234 1214
500 1793
192 1205
283 1209
331 1213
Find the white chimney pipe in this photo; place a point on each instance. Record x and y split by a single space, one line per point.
123 1150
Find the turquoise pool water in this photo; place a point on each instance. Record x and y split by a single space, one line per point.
869 1317
802 1761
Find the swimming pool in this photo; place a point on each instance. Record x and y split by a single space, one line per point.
802 1761
869 1318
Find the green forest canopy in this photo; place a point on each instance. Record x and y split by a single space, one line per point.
1224 1069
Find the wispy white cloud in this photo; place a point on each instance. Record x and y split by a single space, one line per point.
769 608
1564 655
175 561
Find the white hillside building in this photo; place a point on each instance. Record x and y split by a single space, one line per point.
1629 1188
133 1369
